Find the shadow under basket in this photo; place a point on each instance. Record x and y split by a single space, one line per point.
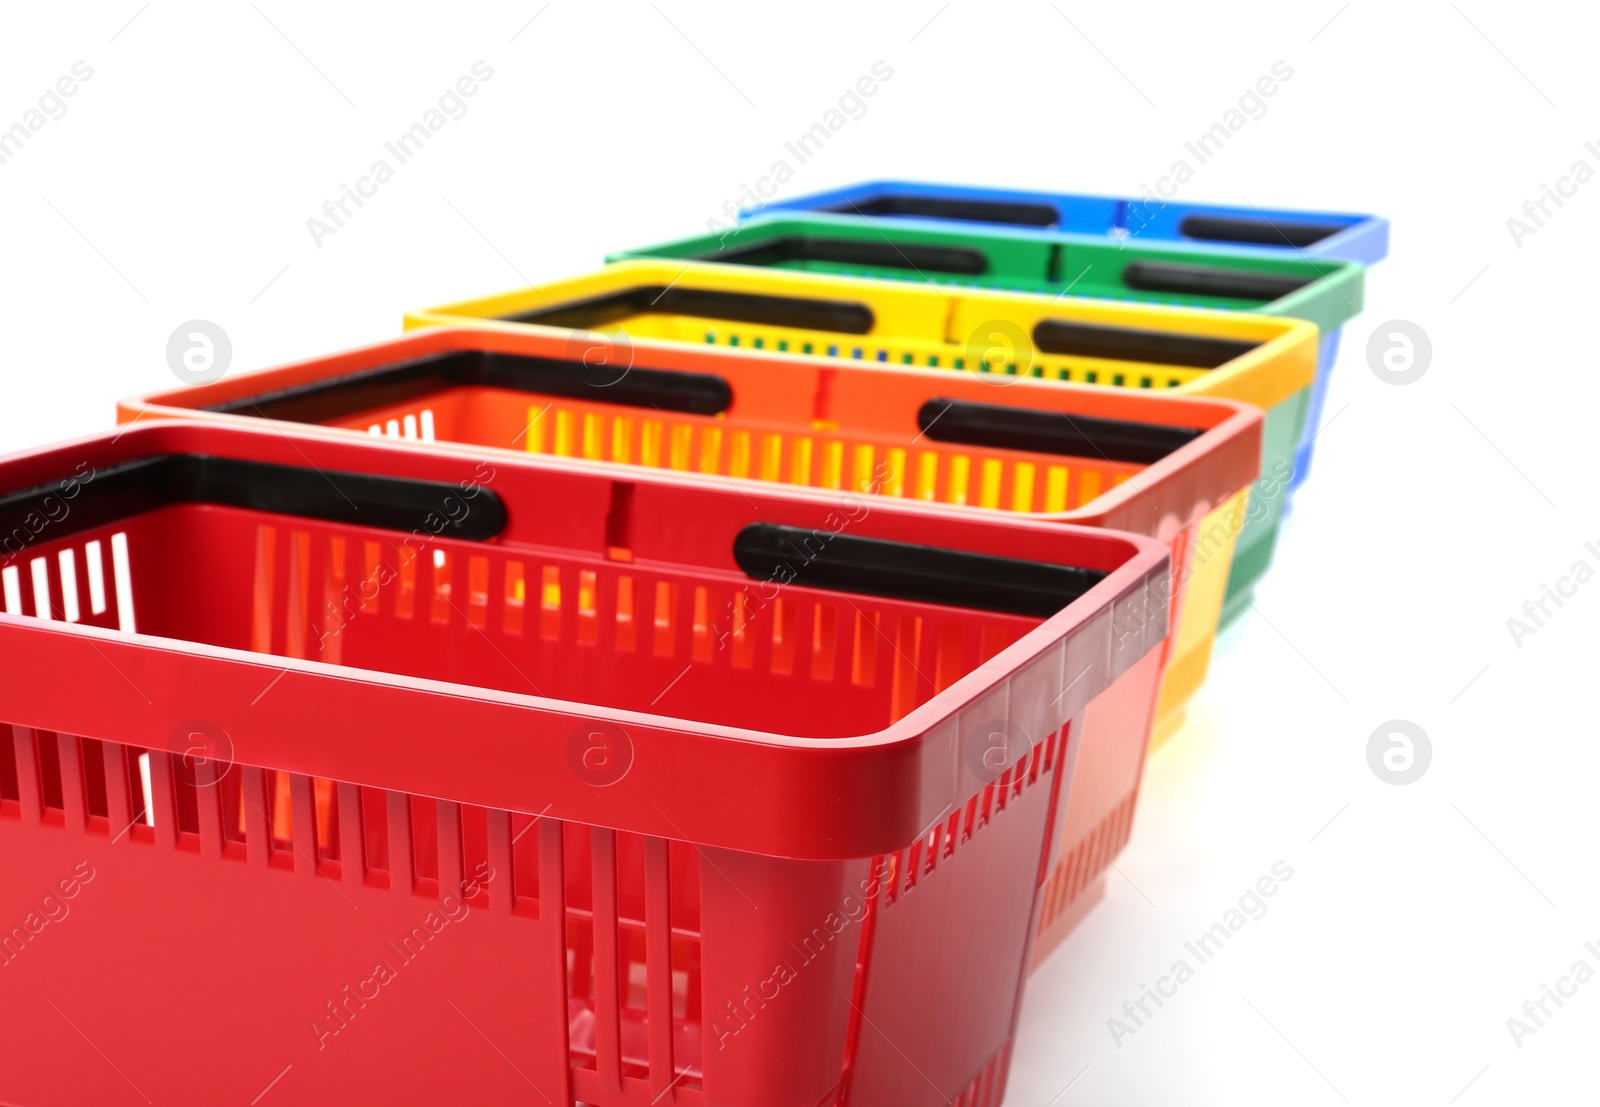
341 772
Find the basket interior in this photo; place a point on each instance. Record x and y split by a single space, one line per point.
1287 231
1085 269
828 457
840 329
983 357
1087 281
916 448
702 645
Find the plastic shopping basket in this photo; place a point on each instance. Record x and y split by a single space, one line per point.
643 789
1263 231
1152 464
1354 237
1263 360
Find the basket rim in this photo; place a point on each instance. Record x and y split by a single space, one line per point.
1207 470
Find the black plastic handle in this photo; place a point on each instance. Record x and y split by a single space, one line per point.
800 312
1260 232
880 253
903 571
1019 213
1051 432
147 484
1057 336
1210 280
340 397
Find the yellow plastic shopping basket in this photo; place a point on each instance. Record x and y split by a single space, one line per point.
1264 360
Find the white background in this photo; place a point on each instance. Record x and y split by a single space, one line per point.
1419 918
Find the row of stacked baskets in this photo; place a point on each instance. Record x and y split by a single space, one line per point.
734 668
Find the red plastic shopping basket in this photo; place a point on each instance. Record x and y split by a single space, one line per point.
1150 463
641 790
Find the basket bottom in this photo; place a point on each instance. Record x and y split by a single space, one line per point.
1066 922
1077 882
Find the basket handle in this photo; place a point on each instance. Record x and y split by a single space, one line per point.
472 513
1018 213
1058 336
1260 232
881 253
798 312
341 397
1050 432
1210 280
903 571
